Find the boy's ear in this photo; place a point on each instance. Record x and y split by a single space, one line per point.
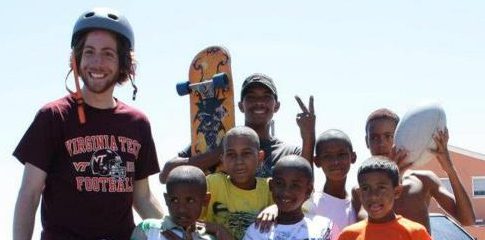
366 141
241 107
397 191
207 199
277 106
353 157
309 190
260 156
270 183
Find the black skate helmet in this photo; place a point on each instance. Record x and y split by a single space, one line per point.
103 18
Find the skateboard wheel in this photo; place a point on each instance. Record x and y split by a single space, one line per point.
183 88
220 80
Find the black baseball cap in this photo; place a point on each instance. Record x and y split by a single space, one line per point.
258 78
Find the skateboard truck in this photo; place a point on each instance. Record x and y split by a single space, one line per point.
205 89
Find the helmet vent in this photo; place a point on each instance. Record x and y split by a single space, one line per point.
112 16
89 14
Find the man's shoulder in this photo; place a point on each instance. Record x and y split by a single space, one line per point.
134 114
59 104
277 144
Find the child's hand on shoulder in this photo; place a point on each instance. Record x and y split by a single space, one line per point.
217 230
266 218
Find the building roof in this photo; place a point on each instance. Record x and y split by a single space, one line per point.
465 152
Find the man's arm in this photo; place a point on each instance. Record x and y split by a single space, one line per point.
203 161
31 188
145 204
306 123
459 205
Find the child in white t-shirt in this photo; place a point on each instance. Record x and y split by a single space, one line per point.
291 185
334 155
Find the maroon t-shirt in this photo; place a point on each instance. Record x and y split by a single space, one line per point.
91 168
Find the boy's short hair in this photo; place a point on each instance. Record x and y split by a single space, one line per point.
380 164
382 113
186 174
333 134
258 78
295 162
241 131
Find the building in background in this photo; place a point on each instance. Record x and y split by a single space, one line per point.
470 167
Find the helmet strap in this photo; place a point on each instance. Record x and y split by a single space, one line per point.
135 89
77 95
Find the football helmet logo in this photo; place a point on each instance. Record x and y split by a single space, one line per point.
105 162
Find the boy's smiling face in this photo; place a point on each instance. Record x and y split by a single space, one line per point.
290 188
240 160
185 202
377 195
258 105
334 157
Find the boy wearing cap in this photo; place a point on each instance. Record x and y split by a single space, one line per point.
259 102
88 155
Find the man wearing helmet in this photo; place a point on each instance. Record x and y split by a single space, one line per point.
81 151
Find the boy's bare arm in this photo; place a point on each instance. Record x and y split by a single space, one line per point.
204 161
459 205
306 123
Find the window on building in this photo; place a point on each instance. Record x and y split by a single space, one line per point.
446 183
479 186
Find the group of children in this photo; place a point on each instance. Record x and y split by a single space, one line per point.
94 152
390 201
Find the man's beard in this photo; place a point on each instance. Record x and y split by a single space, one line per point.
98 88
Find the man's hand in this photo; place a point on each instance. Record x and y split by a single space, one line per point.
306 119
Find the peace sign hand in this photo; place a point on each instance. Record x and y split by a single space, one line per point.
306 119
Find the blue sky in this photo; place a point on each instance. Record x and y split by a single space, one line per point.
353 56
